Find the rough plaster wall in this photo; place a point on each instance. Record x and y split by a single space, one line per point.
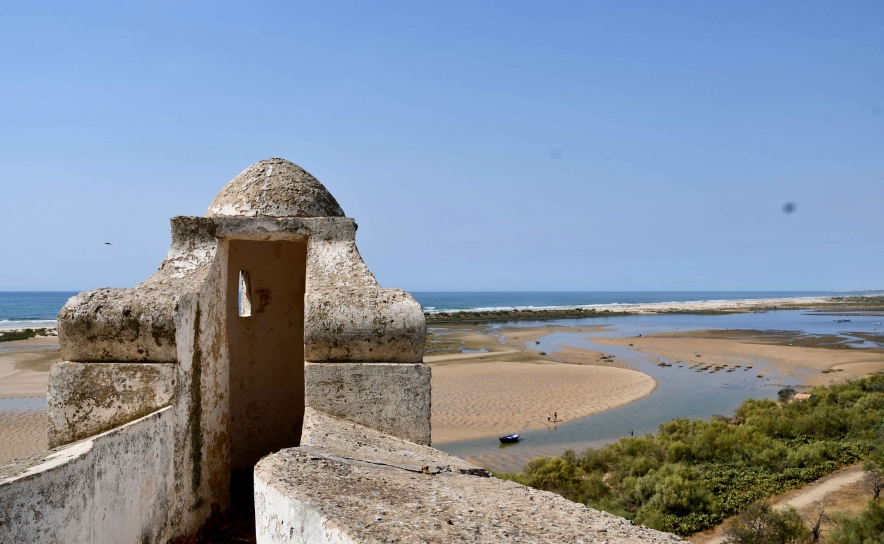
193 504
138 324
281 519
392 398
213 388
369 324
285 228
114 488
266 348
86 399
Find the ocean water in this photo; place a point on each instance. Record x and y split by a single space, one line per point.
40 308
20 309
449 301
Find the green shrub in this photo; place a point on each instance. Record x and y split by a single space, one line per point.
23 334
761 524
867 528
693 474
785 394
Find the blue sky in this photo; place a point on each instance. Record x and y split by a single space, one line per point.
480 146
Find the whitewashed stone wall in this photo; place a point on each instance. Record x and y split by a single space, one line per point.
111 488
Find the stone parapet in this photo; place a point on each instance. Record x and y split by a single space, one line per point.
117 487
351 484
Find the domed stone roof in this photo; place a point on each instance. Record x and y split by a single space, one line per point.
275 188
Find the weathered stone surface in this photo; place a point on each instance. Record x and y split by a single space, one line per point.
328 229
348 484
350 318
117 487
87 399
138 324
394 398
363 325
344 438
117 325
275 187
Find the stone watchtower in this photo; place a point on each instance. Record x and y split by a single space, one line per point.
262 307
262 336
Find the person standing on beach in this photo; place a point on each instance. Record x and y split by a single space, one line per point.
547 417
555 416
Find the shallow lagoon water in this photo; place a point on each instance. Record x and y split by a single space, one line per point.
27 404
681 392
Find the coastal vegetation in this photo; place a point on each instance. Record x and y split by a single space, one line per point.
866 302
22 334
867 527
486 316
693 474
762 524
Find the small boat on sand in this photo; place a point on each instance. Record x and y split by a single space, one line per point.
509 439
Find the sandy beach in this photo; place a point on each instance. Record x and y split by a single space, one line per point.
474 400
24 373
837 305
511 388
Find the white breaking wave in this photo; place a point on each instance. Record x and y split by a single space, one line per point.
28 323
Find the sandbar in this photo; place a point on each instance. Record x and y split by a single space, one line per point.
511 388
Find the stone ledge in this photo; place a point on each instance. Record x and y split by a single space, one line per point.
353 484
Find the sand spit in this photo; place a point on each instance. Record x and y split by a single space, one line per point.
474 400
804 363
745 305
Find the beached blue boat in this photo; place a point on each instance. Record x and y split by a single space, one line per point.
509 439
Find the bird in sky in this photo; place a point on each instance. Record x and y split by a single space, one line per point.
107 243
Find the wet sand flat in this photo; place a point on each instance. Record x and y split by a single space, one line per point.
24 373
804 363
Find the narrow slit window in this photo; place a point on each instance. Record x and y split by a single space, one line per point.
245 294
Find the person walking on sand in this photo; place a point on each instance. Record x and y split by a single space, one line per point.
555 416
547 417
